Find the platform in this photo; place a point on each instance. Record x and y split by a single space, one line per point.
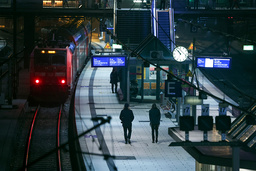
95 98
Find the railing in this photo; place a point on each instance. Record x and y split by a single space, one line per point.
102 4
9 71
93 4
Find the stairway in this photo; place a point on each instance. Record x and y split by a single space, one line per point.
163 28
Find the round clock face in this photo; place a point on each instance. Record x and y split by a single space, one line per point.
180 53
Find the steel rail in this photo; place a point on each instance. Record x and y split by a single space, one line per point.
58 153
29 138
58 139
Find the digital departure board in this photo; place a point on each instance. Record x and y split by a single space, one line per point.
108 61
213 62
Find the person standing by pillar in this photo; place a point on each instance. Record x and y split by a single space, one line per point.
114 79
126 117
154 117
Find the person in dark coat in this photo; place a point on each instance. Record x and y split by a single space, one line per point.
126 117
154 117
114 79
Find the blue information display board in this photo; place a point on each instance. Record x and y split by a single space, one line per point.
108 61
212 62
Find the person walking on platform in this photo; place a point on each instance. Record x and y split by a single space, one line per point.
114 79
126 117
154 117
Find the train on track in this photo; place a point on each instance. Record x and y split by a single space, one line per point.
56 63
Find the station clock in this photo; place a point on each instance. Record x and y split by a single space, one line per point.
180 53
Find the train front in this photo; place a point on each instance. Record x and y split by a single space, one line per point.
50 74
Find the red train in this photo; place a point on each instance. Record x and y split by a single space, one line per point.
55 66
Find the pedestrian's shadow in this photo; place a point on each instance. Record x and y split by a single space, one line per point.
123 142
164 141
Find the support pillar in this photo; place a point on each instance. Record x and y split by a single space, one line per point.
128 80
235 158
29 38
157 84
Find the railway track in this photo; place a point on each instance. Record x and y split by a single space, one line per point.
42 151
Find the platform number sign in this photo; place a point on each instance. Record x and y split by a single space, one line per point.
173 88
205 110
186 110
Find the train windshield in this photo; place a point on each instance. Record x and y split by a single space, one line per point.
42 60
52 58
58 60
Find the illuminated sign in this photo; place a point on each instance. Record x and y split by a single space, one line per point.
139 1
193 100
108 61
117 46
213 62
248 47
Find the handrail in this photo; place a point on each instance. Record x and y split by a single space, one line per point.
7 60
11 56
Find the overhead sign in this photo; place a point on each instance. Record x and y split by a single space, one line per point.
205 109
193 100
191 46
213 62
107 46
186 110
223 108
108 61
248 47
117 46
189 74
173 88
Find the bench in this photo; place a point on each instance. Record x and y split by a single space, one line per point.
169 108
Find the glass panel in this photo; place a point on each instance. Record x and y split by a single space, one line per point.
248 133
252 142
5 3
242 132
237 131
163 77
61 3
150 76
41 59
236 123
135 82
71 3
58 60
150 81
47 3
